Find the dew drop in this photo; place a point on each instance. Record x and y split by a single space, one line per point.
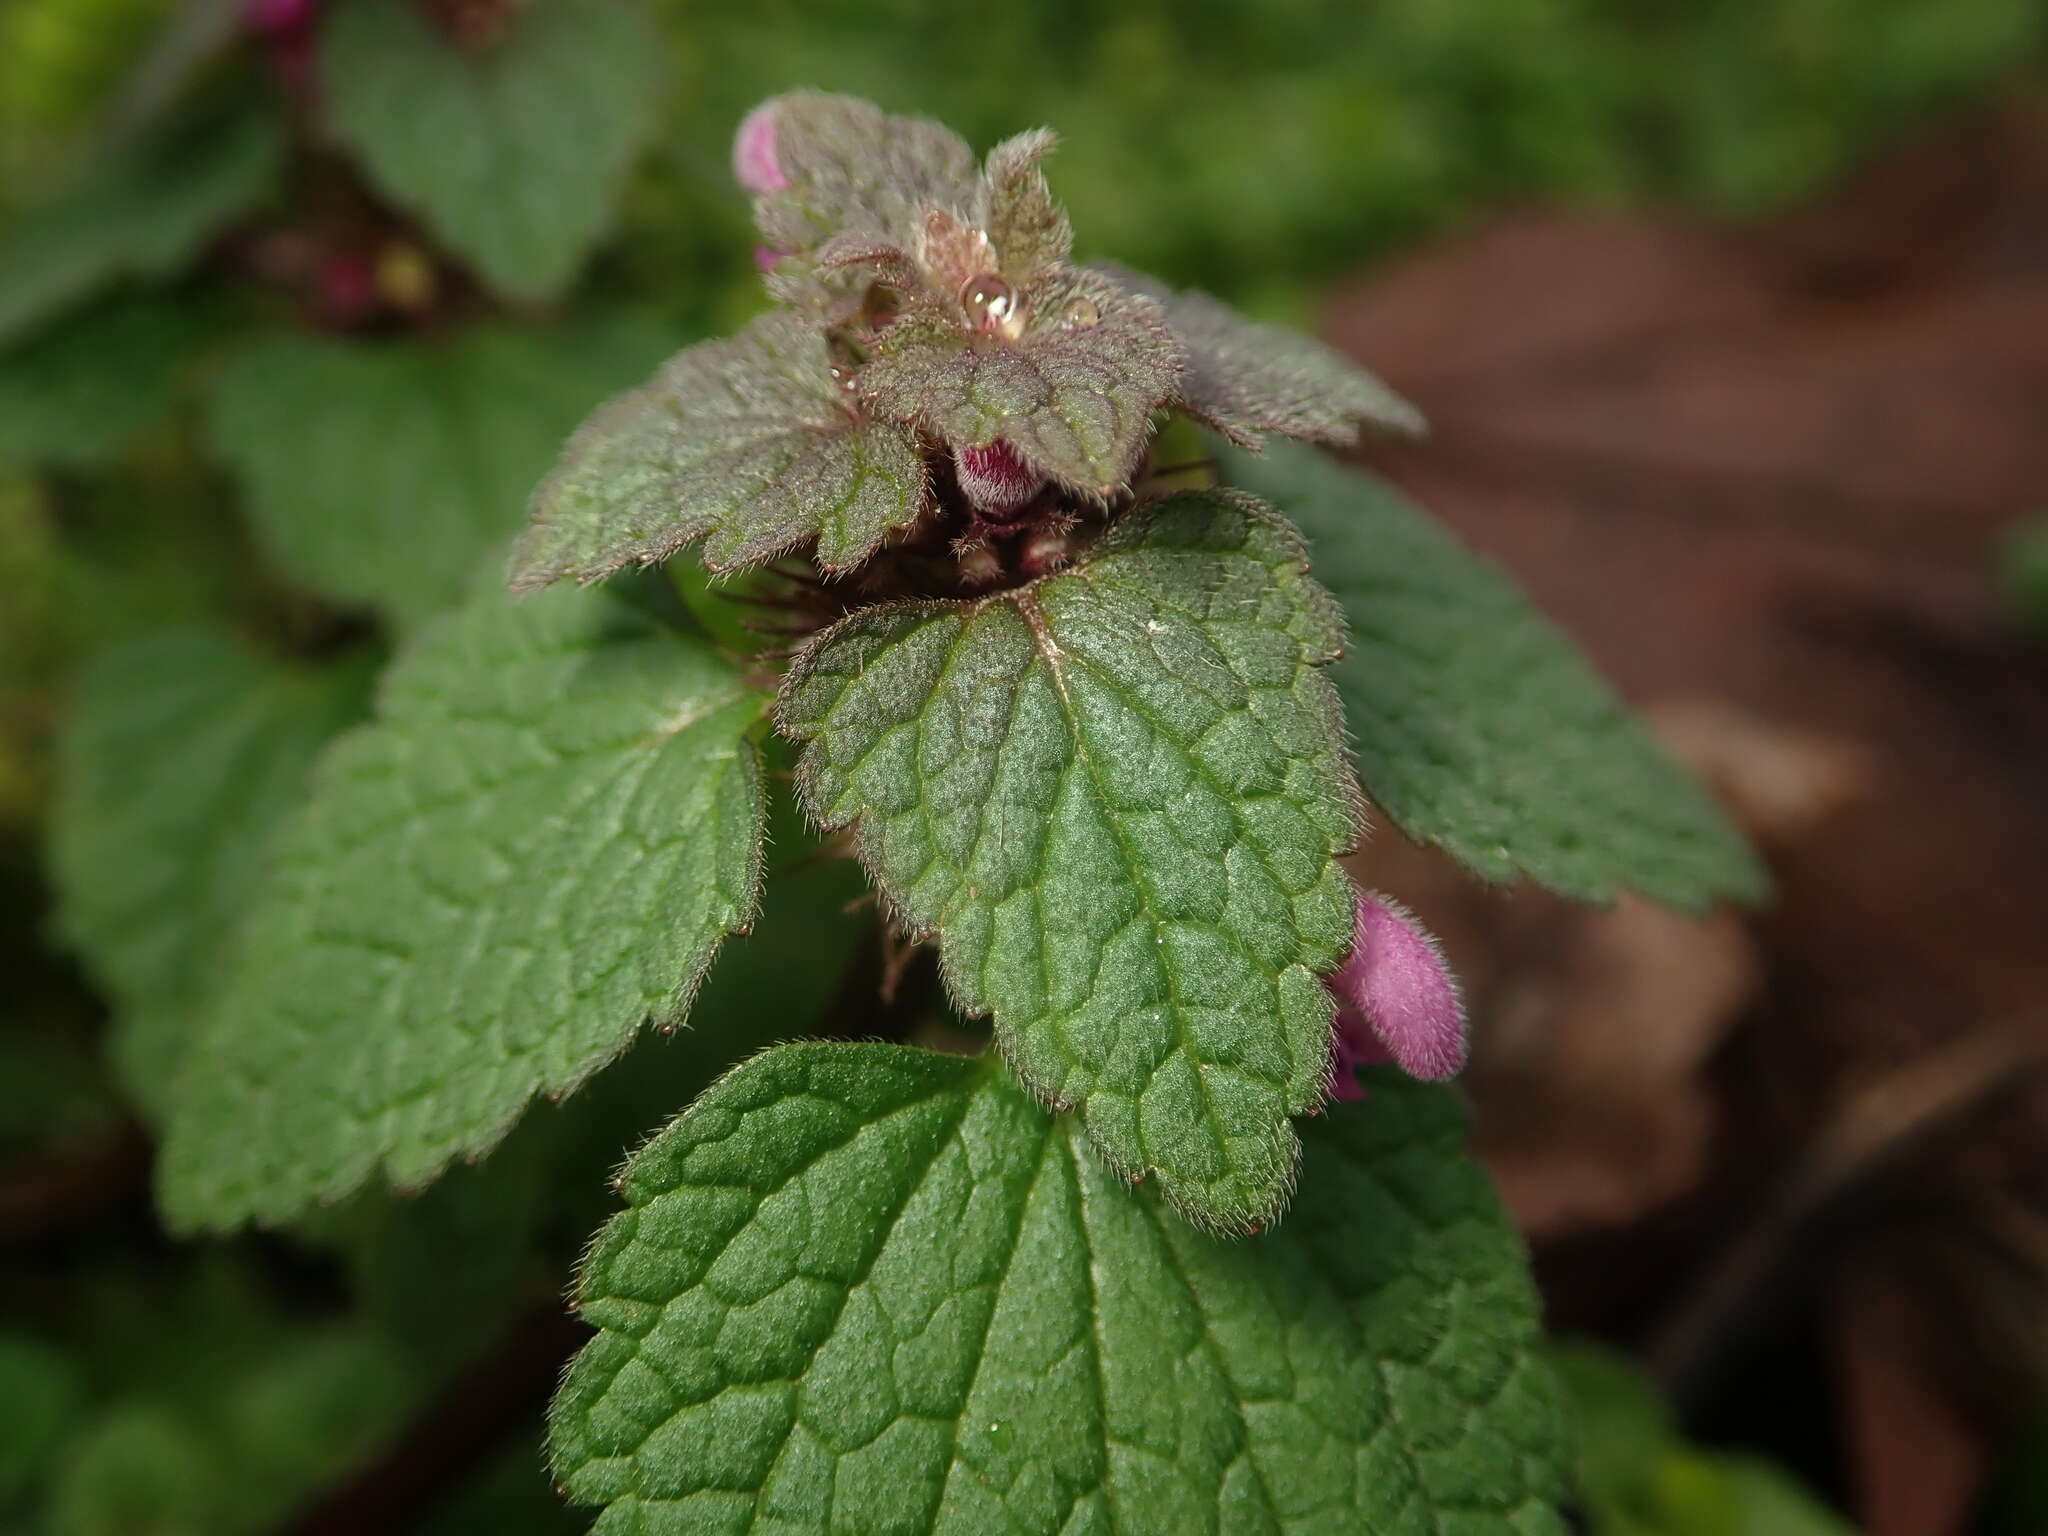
991 304
1081 314
1001 1436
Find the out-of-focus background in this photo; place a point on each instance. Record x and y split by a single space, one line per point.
1732 320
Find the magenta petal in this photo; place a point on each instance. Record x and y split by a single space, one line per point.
994 480
1354 1045
754 165
1396 985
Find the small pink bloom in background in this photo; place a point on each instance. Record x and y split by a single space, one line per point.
754 165
1396 999
346 288
271 18
994 480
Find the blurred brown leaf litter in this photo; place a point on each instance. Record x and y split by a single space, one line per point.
1762 473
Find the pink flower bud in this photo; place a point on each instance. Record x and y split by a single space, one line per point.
994 480
1396 999
754 165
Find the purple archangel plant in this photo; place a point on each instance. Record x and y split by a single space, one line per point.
1055 667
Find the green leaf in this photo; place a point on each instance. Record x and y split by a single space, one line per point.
381 474
1638 1477
1477 725
539 843
142 212
448 1269
269 1427
748 443
871 1288
1246 379
46 1390
856 171
1073 394
513 151
1118 796
80 391
182 753
2023 573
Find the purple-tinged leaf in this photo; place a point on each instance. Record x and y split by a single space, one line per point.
854 170
750 444
1026 226
1072 394
1245 379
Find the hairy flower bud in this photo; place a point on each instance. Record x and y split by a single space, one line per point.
996 483
754 165
1396 998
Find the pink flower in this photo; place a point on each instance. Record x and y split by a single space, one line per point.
1396 999
754 165
995 481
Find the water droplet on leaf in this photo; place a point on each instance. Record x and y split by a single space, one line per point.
991 304
1081 314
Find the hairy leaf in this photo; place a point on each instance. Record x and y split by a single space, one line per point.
1118 796
538 844
854 170
381 473
1245 379
449 1268
750 444
182 753
79 391
1024 224
513 151
143 212
1477 725
870 1288
1073 394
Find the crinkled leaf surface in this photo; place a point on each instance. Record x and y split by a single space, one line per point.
142 212
856 171
513 151
1073 394
865 1288
381 473
182 752
1245 379
1118 796
538 844
1477 725
451 1267
77 392
749 444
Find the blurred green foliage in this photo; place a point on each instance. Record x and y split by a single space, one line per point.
1639 1477
240 387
